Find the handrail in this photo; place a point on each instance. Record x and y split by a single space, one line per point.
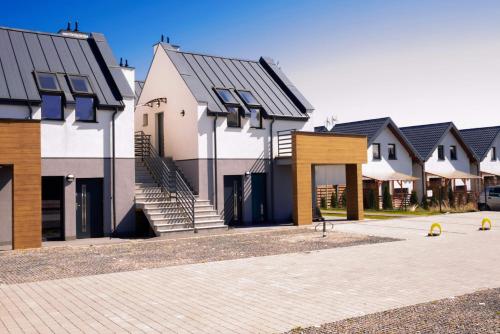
170 180
285 143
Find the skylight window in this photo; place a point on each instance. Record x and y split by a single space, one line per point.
248 98
47 81
226 96
79 84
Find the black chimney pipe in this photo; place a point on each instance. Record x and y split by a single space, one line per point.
76 26
162 38
68 27
121 61
168 39
126 62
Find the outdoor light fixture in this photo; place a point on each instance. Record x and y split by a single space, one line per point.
70 178
247 174
183 113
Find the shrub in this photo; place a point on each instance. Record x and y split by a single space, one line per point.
323 202
371 200
451 197
386 199
425 203
343 199
413 198
334 200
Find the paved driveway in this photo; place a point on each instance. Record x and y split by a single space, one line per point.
268 294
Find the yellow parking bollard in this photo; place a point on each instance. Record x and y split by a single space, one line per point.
485 220
432 233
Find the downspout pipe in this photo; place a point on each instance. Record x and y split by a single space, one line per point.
113 171
271 152
216 197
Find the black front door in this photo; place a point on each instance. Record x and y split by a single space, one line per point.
159 132
233 196
259 198
89 206
52 208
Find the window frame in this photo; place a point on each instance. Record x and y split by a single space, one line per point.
453 152
250 105
226 103
61 105
237 112
389 156
145 119
75 92
260 118
441 155
493 153
47 90
379 155
94 108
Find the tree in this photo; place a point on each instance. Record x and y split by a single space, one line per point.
343 199
334 200
371 200
323 202
413 198
386 199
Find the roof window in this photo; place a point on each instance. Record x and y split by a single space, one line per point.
79 84
248 98
47 81
226 96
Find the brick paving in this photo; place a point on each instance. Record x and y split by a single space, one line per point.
270 294
474 313
63 262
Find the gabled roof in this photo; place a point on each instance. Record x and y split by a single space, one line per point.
426 138
481 139
371 128
139 85
22 52
272 89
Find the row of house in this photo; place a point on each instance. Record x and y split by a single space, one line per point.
201 143
428 159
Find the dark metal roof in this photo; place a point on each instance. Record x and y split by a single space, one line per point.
371 128
425 138
22 52
139 85
273 90
481 139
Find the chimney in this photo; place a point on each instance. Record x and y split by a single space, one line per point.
72 33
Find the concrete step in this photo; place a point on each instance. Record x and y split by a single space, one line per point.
190 231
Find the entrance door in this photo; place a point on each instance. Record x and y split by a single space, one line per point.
160 135
233 196
52 208
259 210
89 206
6 192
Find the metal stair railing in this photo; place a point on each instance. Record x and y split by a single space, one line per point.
170 180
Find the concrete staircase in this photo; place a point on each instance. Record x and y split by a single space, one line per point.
162 211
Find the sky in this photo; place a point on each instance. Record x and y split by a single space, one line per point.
417 61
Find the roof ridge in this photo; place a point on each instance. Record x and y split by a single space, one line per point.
47 33
194 53
481 128
425 125
365 120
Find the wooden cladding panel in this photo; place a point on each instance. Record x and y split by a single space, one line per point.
326 149
20 147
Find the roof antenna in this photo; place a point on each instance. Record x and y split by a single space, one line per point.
76 26
121 61
126 62
162 38
68 27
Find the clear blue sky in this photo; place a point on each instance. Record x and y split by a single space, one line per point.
415 60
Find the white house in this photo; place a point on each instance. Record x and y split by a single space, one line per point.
448 160
218 120
390 155
81 103
485 142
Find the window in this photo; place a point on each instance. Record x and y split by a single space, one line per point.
493 153
392 151
248 98
255 118
440 152
226 96
52 107
47 81
376 151
453 152
145 120
233 117
79 84
85 109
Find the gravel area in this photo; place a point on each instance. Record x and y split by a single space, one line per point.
478 312
73 261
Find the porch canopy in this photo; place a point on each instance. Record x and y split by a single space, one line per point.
490 173
453 175
390 176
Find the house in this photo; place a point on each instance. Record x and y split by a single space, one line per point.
390 160
485 142
225 128
449 163
66 138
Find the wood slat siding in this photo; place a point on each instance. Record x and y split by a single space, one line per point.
310 149
20 147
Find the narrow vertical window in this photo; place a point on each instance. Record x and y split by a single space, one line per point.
376 151
145 120
392 151
233 117
440 152
255 118
52 107
453 152
85 109
493 153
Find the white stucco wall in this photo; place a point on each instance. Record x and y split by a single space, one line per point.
433 164
180 132
488 165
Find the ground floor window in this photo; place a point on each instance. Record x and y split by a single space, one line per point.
52 208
